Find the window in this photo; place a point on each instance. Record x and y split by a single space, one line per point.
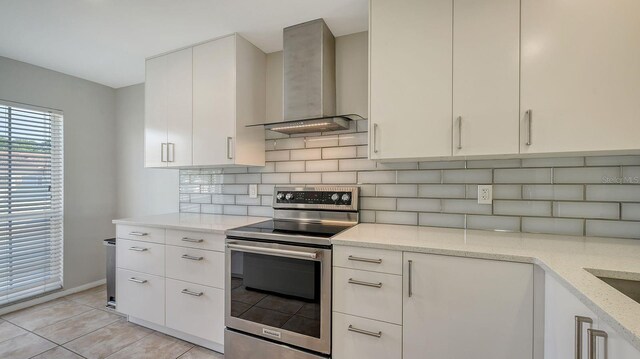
31 212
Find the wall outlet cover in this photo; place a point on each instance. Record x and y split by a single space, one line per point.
485 194
253 191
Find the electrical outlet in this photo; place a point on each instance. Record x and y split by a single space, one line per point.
485 194
253 191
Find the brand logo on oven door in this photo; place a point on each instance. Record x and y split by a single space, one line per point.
271 333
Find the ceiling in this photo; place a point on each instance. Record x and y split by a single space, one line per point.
106 41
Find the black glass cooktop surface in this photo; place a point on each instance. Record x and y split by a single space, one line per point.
294 228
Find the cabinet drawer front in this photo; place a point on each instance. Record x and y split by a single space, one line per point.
138 233
355 337
367 294
195 266
370 259
140 295
195 309
200 240
140 256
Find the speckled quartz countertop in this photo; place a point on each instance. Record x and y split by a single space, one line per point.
215 223
565 257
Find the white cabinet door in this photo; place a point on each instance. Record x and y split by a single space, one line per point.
179 105
195 266
619 348
155 113
140 295
467 308
195 309
214 101
357 337
486 77
580 75
561 309
410 69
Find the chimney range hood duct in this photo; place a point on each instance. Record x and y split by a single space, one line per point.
309 69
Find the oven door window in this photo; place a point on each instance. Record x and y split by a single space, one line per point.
277 291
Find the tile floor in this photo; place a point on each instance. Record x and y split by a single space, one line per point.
79 326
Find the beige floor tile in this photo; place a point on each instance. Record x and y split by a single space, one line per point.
33 309
48 315
75 327
108 340
154 346
8 331
201 353
93 298
57 353
24 346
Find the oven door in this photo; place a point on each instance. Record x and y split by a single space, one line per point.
281 292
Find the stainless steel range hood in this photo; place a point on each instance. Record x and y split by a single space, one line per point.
309 84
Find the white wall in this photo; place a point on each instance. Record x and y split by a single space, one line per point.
89 159
140 191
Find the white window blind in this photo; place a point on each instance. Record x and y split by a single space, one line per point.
31 207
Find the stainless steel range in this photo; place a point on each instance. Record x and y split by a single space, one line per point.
278 275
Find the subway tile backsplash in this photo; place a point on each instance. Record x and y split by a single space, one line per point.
597 196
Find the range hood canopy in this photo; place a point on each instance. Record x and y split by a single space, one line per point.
309 81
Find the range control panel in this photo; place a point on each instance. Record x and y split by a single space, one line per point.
323 198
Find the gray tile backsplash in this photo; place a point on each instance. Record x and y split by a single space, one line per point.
597 196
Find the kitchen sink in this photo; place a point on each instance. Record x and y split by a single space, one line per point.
630 288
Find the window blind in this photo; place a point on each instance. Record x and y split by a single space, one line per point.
31 201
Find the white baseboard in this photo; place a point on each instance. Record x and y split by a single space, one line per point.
180 335
52 296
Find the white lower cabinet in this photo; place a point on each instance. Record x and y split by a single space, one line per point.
195 309
141 295
564 314
356 337
195 266
459 308
140 256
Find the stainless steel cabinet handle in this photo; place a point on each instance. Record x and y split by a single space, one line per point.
229 156
272 251
171 155
366 284
578 335
192 258
136 280
138 249
529 115
365 332
375 136
192 240
409 286
162 152
593 337
459 132
189 292
138 234
367 260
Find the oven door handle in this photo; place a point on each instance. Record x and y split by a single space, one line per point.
273 251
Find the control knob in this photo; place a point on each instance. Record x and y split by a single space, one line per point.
280 196
346 197
289 196
335 197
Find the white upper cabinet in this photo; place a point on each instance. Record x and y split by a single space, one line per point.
229 81
486 71
198 102
410 69
466 308
580 75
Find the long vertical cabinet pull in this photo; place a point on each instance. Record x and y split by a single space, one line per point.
593 338
529 115
409 285
229 156
162 152
375 138
171 152
459 132
578 336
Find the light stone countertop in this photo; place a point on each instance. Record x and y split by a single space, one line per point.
215 223
564 257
